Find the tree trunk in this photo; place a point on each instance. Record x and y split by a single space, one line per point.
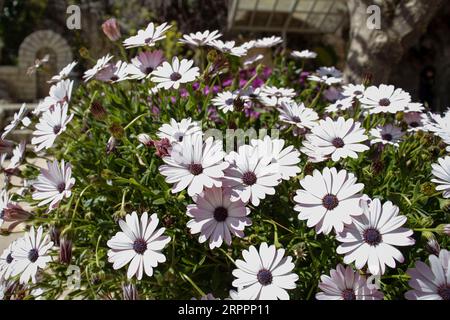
373 52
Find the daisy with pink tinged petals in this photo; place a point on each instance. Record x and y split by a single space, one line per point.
172 75
385 99
51 124
113 73
60 93
31 253
16 159
286 159
373 236
53 184
298 115
346 284
216 217
142 66
147 37
139 244
430 282
195 165
338 139
387 134
415 121
199 39
264 274
177 131
251 175
441 172
328 200
101 64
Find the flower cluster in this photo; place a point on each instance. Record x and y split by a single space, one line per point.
164 165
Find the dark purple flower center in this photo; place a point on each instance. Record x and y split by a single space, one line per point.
330 201
414 124
338 142
249 178
264 277
348 294
114 78
148 70
175 76
385 102
220 214
229 101
2 213
444 292
357 93
372 236
278 94
33 255
195 169
56 129
387 136
140 246
61 187
9 258
296 119
148 40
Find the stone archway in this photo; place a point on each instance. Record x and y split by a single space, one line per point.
32 48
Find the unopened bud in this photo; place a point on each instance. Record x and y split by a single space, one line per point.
84 52
145 140
432 246
111 145
98 111
212 56
130 292
111 29
117 130
65 251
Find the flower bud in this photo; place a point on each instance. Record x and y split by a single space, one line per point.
98 111
84 52
428 189
212 56
443 229
145 140
117 130
130 292
15 213
111 29
111 145
432 246
399 116
65 251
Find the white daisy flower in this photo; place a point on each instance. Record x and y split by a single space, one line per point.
101 64
31 254
251 175
53 184
268 42
353 90
272 96
415 107
304 54
438 124
251 60
248 45
225 100
346 284
19 118
64 73
327 75
388 134
234 295
430 282
113 72
372 237
147 37
5 199
199 39
441 172
217 218
172 75
338 139
328 200
340 105
142 66
415 121
298 114
194 164
385 99
314 153
17 157
7 262
229 47
176 131
265 274
51 125
139 244
286 159
60 93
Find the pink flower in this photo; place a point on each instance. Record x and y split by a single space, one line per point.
111 29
